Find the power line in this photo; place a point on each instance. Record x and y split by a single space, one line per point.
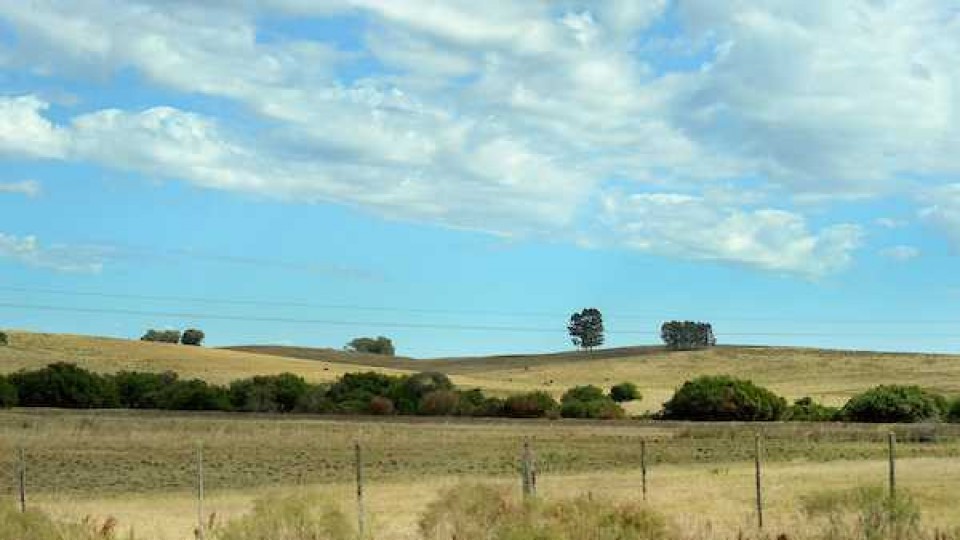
428 326
441 311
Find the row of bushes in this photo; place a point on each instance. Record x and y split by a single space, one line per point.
66 385
722 398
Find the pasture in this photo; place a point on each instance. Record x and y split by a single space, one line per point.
140 468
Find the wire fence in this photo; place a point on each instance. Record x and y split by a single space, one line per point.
44 458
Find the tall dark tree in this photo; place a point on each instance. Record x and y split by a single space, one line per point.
192 336
379 345
586 329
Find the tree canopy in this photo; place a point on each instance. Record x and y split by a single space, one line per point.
586 328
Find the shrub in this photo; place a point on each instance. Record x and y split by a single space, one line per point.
625 391
877 515
293 518
192 336
268 393
409 391
137 390
895 403
381 406
35 525
472 512
316 400
64 385
807 410
588 402
4 340
529 405
953 413
195 395
8 393
162 336
440 403
723 398
361 387
379 345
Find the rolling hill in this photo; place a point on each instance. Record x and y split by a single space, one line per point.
827 375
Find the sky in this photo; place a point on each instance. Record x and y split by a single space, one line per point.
461 176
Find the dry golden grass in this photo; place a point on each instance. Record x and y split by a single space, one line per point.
715 501
107 355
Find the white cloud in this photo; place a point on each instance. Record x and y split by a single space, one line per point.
900 253
891 223
511 117
700 229
30 188
28 250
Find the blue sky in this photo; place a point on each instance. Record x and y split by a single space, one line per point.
462 176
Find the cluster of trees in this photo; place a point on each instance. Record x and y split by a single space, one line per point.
687 335
378 345
586 332
190 336
66 385
722 398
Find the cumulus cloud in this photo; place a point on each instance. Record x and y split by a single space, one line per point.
30 188
28 250
513 117
696 228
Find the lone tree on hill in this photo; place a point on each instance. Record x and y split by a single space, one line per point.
380 345
192 336
687 335
586 329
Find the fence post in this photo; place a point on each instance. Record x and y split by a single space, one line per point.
643 467
200 489
892 454
528 471
22 478
756 453
361 518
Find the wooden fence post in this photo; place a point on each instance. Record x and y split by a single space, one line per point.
22 478
892 455
361 518
756 453
200 490
528 471
643 467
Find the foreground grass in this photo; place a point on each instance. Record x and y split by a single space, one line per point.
703 501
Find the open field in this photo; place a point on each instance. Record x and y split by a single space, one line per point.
826 375
139 468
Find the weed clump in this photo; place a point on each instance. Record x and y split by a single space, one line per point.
474 512
292 518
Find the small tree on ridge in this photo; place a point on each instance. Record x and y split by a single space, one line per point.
586 329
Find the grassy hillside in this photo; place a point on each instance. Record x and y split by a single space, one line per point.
827 375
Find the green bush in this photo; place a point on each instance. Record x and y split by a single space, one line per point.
8 393
478 512
588 402
530 405
64 385
359 388
723 398
807 410
268 393
895 403
292 518
4 340
625 391
408 392
138 390
440 403
953 413
195 395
